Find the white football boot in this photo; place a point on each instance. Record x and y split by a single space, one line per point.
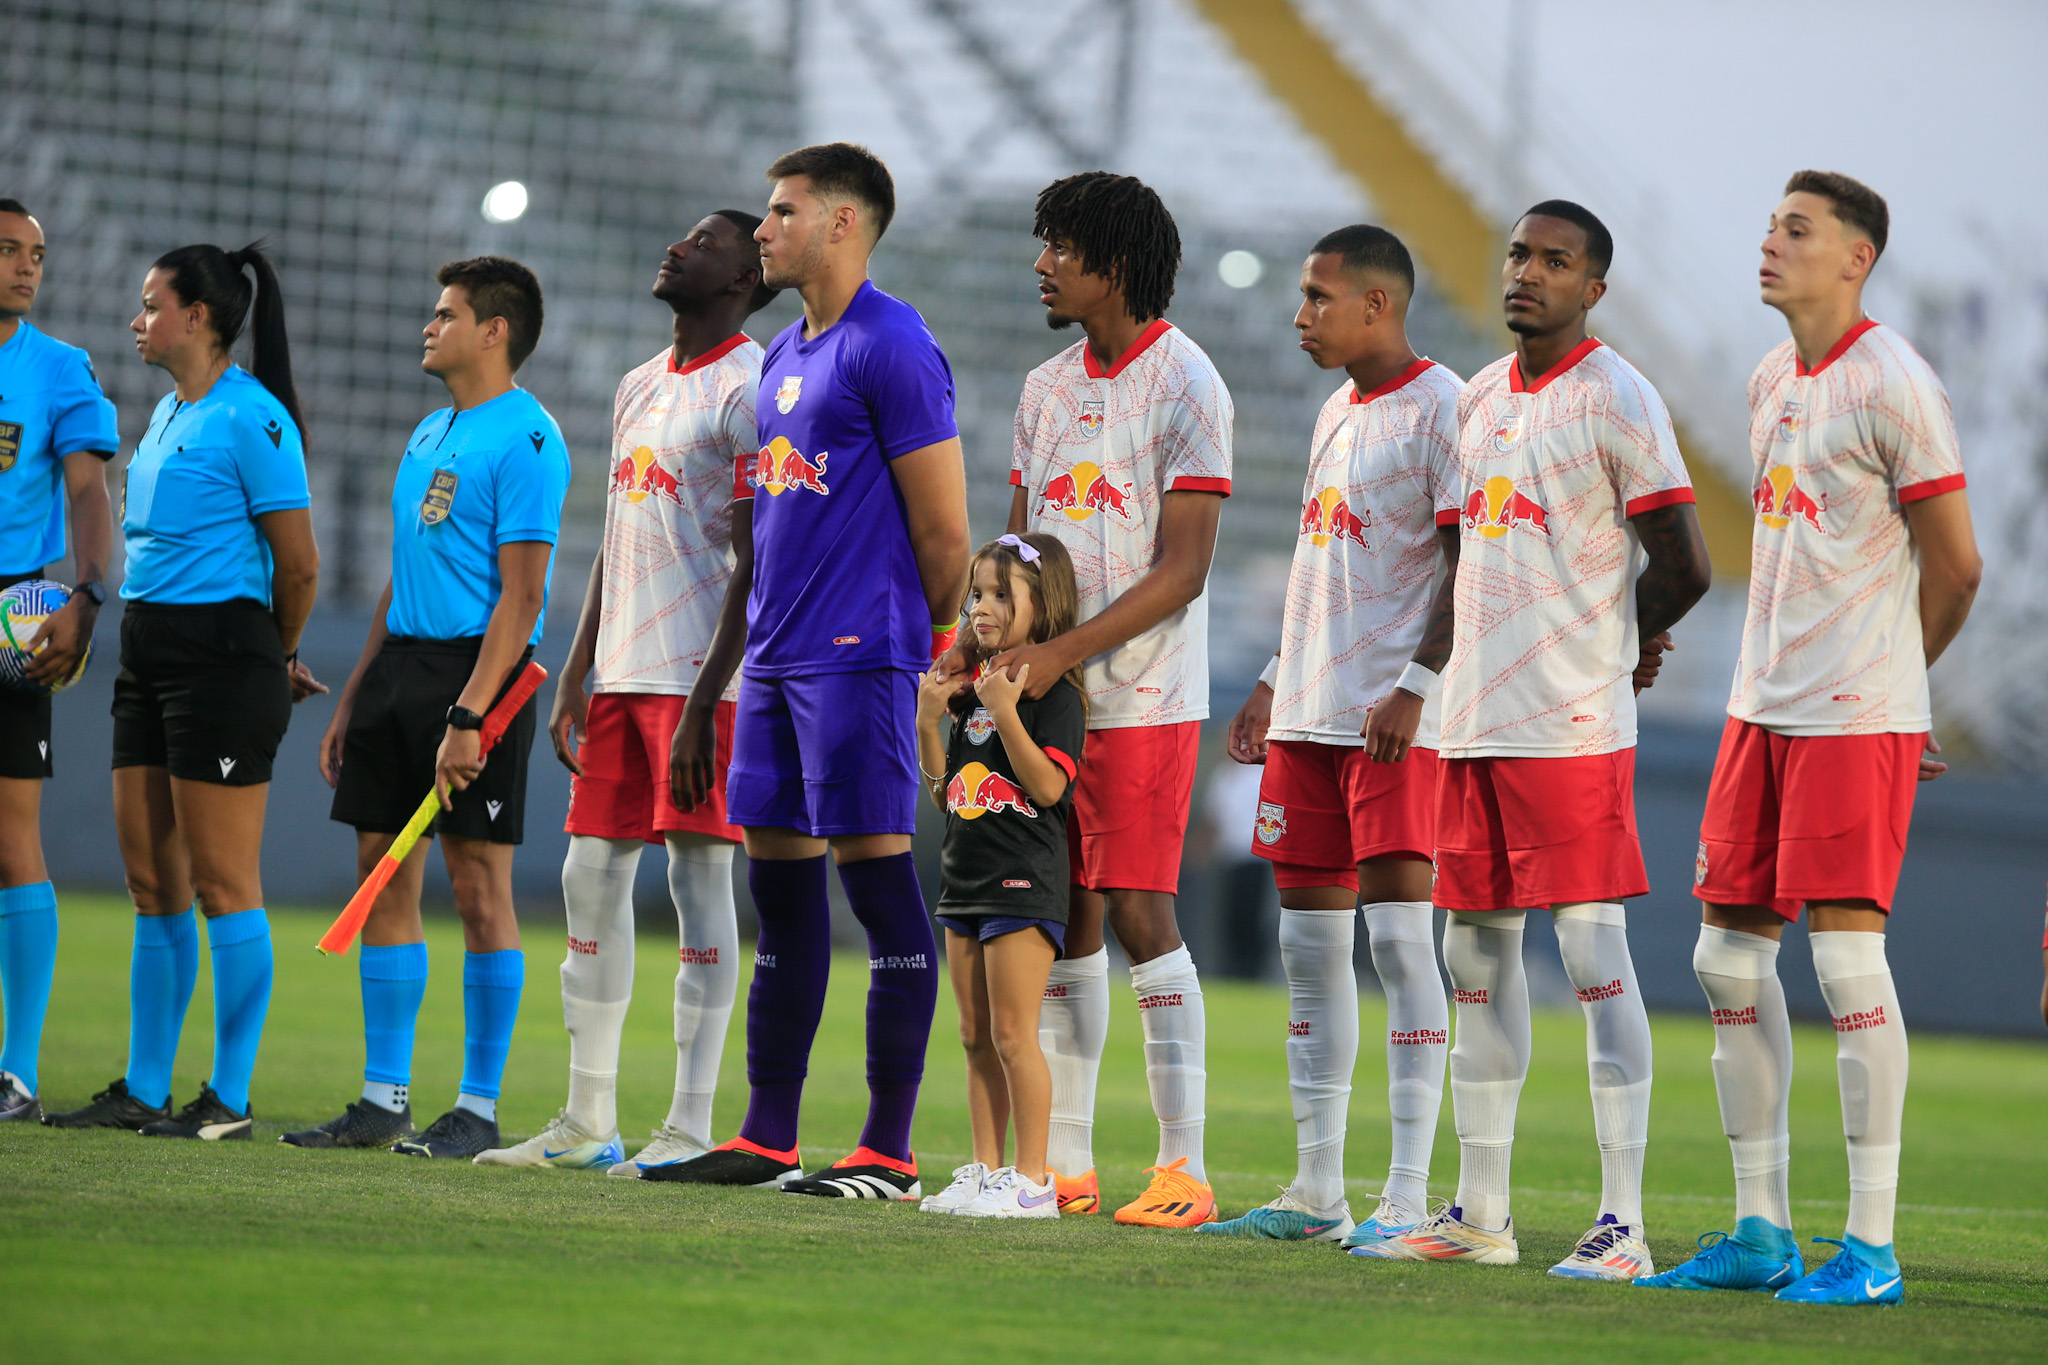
671 1146
1446 1236
1007 1194
1609 1251
563 1145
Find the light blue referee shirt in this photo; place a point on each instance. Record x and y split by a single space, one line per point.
50 407
470 481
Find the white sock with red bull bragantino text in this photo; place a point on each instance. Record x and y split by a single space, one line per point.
1073 1026
1403 935
1752 1065
1870 1063
1483 954
1322 1044
1592 938
707 974
597 973
1176 1035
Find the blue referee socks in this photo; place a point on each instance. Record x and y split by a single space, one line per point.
241 999
160 979
491 983
394 983
28 959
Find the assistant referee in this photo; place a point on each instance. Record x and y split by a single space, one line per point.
475 510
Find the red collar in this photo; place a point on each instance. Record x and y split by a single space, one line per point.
718 352
1399 381
1835 351
1145 338
1573 357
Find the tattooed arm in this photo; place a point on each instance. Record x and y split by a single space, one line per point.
1678 576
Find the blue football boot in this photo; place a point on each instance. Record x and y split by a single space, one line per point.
1860 1276
1759 1255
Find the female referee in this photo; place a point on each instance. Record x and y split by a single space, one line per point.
222 571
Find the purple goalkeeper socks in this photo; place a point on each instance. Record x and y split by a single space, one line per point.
903 991
791 966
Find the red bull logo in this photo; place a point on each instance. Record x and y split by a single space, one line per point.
792 389
1090 420
1271 824
781 466
975 791
1788 422
638 475
1328 516
1084 491
980 726
1506 432
1496 507
1779 499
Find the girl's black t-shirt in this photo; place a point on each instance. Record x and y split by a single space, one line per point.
1005 854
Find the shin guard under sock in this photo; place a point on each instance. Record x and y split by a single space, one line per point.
903 993
161 976
1483 954
792 963
28 963
241 1000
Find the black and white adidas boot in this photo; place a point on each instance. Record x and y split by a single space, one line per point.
862 1174
207 1119
362 1124
738 1162
113 1107
458 1134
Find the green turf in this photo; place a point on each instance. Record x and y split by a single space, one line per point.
115 1246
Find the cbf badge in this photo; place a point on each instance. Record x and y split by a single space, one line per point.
10 445
440 497
791 390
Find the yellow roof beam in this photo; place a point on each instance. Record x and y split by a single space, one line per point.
1456 243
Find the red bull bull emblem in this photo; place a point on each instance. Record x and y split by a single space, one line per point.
1779 499
792 389
1271 824
1084 491
638 475
975 791
1507 431
1328 516
1788 422
1495 507
980 726
781 466
1090 419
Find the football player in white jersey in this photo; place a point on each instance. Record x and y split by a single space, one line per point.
676 530
1580 551
1863 565
1344 720
1123 453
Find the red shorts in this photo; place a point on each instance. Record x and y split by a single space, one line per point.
1326 808
1131 807
1797 818
1529 833
623 792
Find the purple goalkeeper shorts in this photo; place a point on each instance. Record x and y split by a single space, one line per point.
832 753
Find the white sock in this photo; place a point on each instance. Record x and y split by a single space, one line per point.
1073 1025
597 973
1483 954
1752 1065
1322 1044
1403 936
1870 1062
707 975
482 1106
385 1095
1592 938
1170 1011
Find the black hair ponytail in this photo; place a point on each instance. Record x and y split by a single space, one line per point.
208 275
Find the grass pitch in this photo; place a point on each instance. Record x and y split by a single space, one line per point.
117 1247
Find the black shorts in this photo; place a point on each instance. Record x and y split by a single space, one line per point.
396 729
203 691
25 735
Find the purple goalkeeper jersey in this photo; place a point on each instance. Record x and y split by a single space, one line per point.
836 587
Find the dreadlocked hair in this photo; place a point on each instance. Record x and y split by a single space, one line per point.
1121 231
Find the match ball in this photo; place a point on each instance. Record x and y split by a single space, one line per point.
23 609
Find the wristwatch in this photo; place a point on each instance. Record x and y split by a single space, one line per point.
462 718
95 590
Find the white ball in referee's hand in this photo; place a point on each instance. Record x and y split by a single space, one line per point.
23 609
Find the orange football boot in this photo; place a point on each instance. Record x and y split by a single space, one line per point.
1174 1199
1079 1195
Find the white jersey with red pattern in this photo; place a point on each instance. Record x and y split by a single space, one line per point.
1831 644
682 444
1382 477
1098 451
1545 645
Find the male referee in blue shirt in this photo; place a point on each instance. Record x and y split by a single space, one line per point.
476 510
57 432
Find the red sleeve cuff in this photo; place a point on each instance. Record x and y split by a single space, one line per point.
1017 477
1066 764
1932 488
742 482
1184 484
1650 502
1449 516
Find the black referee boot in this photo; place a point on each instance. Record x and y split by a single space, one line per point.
207 1119
362 1124
458 1134
113 1107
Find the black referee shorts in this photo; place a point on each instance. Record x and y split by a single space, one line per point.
203 691
400 718
25 735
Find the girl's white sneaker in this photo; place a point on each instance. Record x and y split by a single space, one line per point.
1007 1194
968 1182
